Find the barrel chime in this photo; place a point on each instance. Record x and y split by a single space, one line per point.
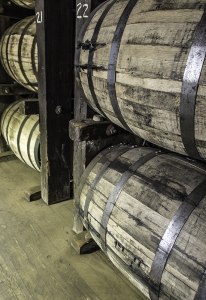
21 133
141 65
19 55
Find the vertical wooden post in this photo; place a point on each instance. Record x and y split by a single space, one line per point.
55 77
80 111
83 8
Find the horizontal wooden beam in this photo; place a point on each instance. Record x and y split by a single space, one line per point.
6 156
29 107
9 89
9 9
89 130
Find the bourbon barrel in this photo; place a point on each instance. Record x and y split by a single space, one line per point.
25 3
141 65
19 54
21 133
146 209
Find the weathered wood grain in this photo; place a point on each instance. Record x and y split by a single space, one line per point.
150 67
19 55
144 208
21 133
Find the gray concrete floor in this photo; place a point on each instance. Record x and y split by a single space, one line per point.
36 259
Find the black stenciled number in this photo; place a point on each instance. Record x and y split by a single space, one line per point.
79 7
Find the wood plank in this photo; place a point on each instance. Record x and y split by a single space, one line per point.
55 90
13 89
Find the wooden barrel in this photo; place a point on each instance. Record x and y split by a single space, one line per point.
146 209
21 133
141 65
19 54
25 3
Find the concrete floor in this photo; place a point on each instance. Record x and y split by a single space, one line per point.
36 259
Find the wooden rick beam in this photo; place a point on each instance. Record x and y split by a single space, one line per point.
55 77
83 9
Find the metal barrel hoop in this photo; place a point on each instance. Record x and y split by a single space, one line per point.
111 76
189 89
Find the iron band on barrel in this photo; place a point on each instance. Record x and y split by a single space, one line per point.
170 236
19 135
91 56
29 144
106 161
190 86
111 76
7 54
80 39
19 54
89 169
117 191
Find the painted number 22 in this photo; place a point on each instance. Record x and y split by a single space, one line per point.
79 6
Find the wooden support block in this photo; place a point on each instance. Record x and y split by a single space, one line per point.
8 89
33 194
6 156
89 130
30 107
83 243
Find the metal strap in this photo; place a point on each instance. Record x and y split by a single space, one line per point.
7 127
106 161
111 76
81 36
19 135
201 291
6 112
37 153
117 191
33 57
91 56
89 168
191 78
19 55
170 236
29 142
7 54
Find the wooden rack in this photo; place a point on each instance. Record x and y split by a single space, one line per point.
55 40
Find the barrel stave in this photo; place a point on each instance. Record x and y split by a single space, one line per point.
151 61
22 134
25 3
141 215
19 53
